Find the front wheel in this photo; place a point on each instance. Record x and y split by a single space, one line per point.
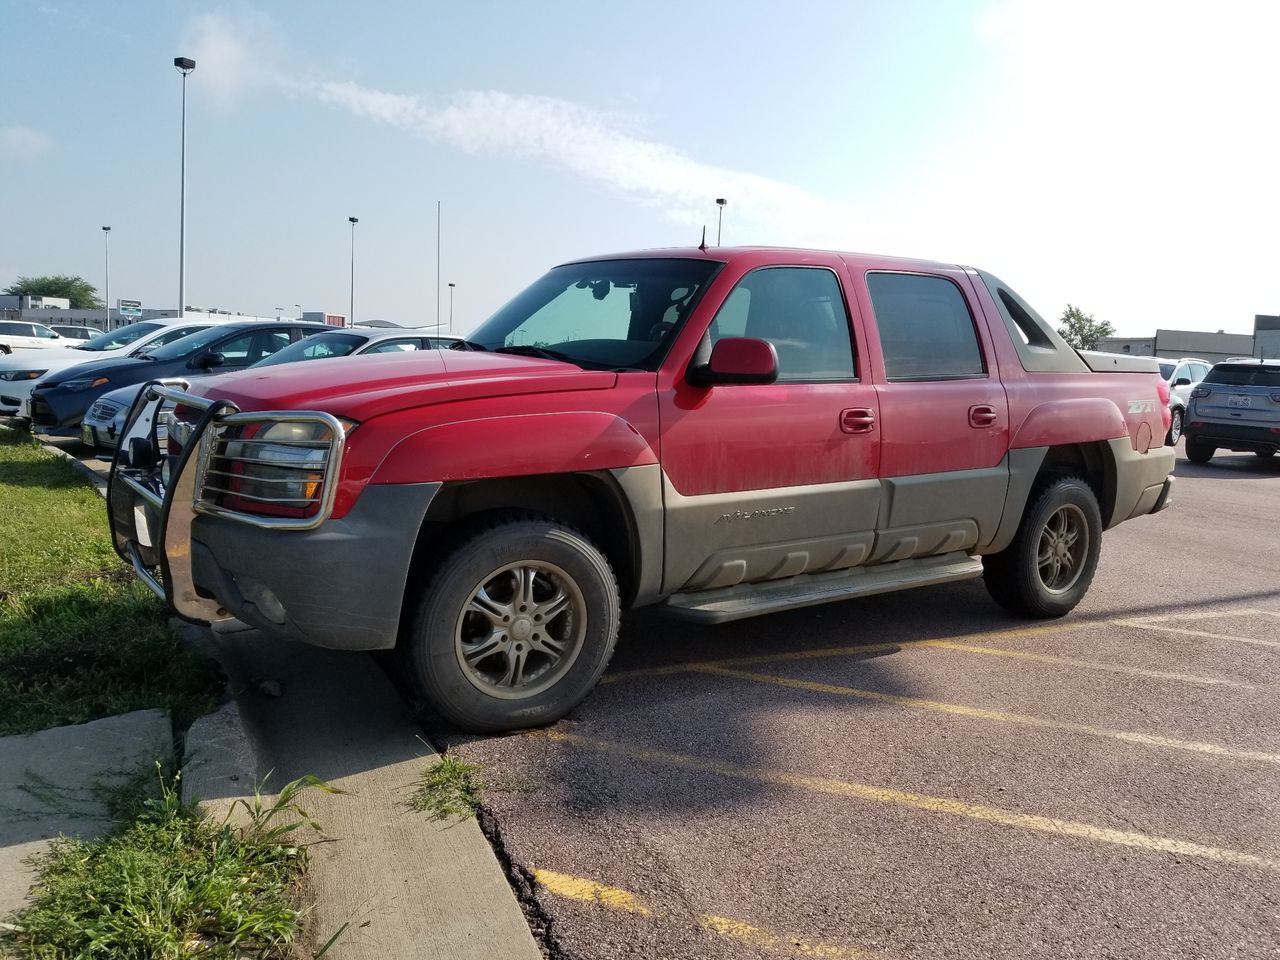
1175 429
4 351
1198 451
1048 567
515 625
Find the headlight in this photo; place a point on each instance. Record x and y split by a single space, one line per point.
12 375
85 383
285 462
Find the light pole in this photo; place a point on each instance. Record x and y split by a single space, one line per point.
106 260
299 306
451 286
351 314
279 310
720 204
184 66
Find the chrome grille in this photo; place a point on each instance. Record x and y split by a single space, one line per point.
104 410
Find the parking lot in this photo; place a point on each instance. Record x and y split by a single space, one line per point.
922 775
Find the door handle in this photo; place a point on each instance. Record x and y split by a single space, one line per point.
857 420
982 416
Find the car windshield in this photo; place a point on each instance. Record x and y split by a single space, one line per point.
119 338
1245 375
321 346
1166 371
606 314
190 344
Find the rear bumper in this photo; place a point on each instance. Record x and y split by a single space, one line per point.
1142 480
1234 436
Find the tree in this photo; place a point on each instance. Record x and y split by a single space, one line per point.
1080 329
82 294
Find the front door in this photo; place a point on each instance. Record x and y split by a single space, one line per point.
770 481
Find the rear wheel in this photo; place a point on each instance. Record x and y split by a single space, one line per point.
1175 429
1047 569
4 351
515 625
1198 451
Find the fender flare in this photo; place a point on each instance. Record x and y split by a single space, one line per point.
1080 420
483 448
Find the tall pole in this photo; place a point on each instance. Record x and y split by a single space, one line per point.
184 66
351 314
106 262
299 306
720 203
451 286
437 264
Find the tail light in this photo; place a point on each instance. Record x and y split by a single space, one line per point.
1199 393
1162 391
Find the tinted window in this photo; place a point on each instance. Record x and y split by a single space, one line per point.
926 330
11 329
320 346
1166 371
396 346
185 346
1241 375
120 338
801 312
252 346
169 336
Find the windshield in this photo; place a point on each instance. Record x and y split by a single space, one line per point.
604 314
1245 375
1166 371
321 346
190 344
119 338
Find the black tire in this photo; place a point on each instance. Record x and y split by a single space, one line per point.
4 351
1265 454
482 695
1014 577
1198 451
1175 429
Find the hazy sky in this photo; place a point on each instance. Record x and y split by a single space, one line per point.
1121 156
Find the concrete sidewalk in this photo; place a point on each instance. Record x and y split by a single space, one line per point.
405 885
52 782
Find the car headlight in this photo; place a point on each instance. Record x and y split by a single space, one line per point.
285 462
84 383
12 375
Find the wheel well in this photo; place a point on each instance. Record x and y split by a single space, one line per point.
590 502
1091 462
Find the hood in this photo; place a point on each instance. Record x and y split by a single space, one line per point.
363 387
107 367
54 358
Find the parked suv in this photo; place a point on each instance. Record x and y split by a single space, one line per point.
1181 376
24 335
1235 407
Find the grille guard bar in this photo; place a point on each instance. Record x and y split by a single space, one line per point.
152 503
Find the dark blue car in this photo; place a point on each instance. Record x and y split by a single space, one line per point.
60 401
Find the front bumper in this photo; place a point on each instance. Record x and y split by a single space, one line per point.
335 583
1234 436
58 412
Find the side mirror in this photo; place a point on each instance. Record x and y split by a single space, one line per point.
1182 382
737 360
208 360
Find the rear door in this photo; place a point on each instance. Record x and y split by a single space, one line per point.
943 413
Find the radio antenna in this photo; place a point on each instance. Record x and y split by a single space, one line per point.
703 245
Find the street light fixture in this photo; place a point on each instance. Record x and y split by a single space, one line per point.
351 313
451 286
299 306
279 310
720 204
184 66
106 259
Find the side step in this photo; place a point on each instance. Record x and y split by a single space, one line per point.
807 590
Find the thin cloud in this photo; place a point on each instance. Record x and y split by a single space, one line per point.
23 144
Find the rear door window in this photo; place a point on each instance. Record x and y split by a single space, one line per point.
926 329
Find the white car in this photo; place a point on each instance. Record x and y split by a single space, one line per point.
1181 376
25 335
71 331
20 371
104 422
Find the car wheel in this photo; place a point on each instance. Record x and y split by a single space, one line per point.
1048 567
1265 454
1198 451
4 351
1175 429
514 626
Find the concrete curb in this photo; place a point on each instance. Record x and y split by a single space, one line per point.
98 480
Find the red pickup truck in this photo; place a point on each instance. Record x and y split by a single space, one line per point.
725 432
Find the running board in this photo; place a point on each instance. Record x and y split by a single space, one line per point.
807 590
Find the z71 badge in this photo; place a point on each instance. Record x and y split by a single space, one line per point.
1142 406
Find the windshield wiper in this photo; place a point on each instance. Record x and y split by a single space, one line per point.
529 350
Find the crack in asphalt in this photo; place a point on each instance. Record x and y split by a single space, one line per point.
524 886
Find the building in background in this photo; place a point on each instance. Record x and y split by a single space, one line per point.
51 310
1215 347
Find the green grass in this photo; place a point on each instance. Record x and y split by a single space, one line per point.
79 638
171 884
448 789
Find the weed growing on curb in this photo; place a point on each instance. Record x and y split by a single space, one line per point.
448 788
171 884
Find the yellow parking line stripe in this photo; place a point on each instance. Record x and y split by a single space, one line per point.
1088 664
821 653
920 801
589 891
1144 739
1161 628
